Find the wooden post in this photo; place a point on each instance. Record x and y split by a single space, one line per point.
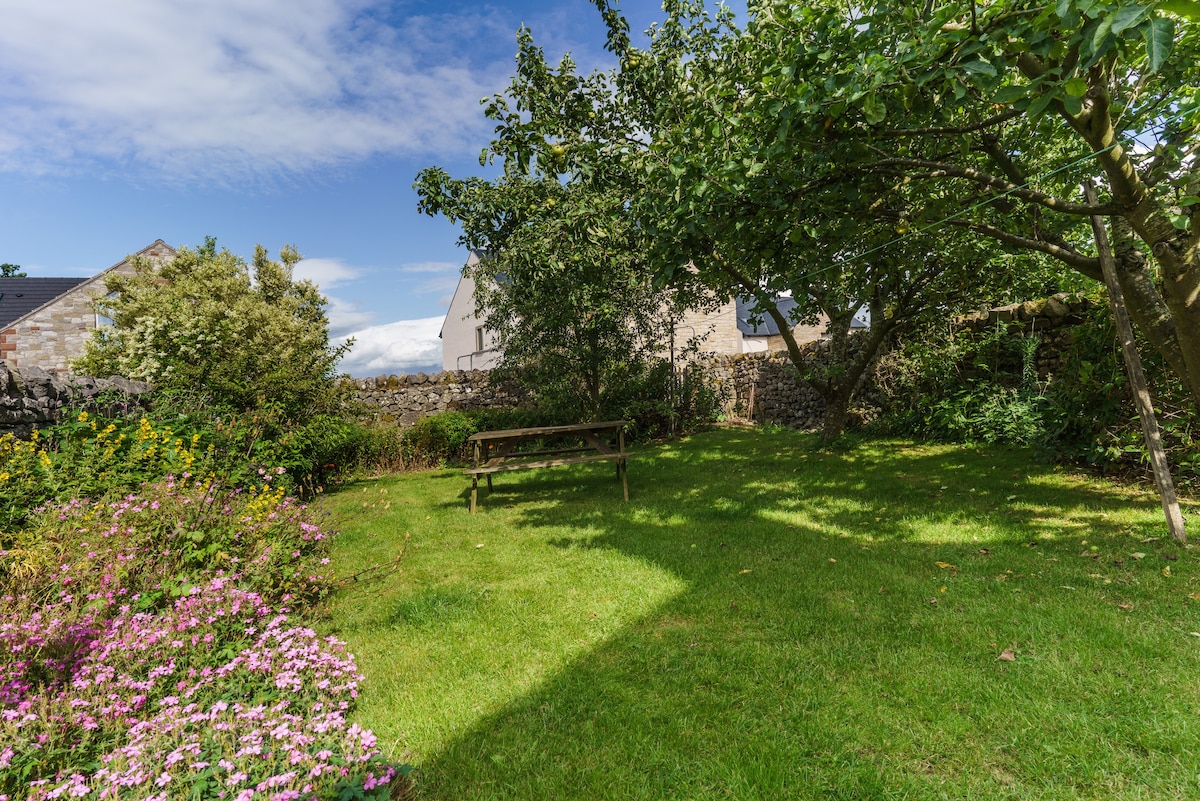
1137 378
622 467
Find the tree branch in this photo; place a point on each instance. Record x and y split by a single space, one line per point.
1087 265
938 169
998 119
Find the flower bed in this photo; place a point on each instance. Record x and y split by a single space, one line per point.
146 651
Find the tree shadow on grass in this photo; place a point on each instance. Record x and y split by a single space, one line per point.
839 633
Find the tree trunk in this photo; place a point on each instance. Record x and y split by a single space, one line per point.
1177 252
837 415
841 388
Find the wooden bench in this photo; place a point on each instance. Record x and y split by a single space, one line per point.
497 451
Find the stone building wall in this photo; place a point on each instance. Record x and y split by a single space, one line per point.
716 331
54 335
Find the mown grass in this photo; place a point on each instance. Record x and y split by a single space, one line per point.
764 620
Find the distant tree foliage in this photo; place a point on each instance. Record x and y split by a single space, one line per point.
248 336
653 175
565 284
12 271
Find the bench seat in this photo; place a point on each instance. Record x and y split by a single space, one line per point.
516 464
498 451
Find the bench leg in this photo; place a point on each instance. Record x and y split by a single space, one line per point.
623 470
489 478
474 490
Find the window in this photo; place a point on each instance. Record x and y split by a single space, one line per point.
479 339
103 320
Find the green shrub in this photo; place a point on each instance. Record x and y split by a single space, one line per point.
983 388
441 438
986 412
248 335
315 450
662 404
437 440
1091 418
965 387
86 456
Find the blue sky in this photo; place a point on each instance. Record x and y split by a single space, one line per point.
264 121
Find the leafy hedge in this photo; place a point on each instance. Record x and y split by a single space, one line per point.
984 388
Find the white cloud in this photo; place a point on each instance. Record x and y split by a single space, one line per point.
432 267
344 315
405 346
441 278
325 273
225 87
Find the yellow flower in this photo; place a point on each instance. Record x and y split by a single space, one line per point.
83 417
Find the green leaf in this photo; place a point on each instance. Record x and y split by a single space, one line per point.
1010 94
1159 34
1040 104
1128 17
1077 87
874 110
1181 221
1100 37
1073 104
1189 9
980 67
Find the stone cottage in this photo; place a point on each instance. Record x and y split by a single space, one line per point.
44 322
730 329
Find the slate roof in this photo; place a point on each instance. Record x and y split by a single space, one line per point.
766 326
20 296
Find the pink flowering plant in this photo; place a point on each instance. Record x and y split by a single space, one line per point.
218 696
157 543
150 648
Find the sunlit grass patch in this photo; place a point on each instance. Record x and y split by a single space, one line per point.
768 620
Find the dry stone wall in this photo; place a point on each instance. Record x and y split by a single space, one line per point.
1052 320
31 397
405 399
763 388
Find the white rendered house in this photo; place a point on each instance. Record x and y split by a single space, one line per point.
467 344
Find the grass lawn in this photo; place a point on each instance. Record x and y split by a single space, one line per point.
767 621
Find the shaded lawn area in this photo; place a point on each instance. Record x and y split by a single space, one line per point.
764 620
